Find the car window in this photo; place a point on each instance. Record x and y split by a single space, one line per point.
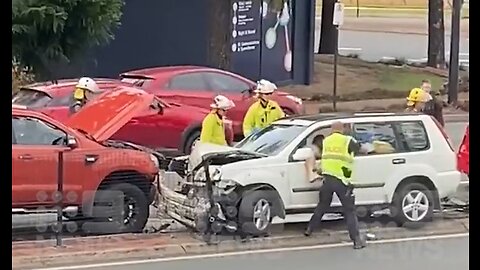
315 140
33 131
60 101
225 83
190 81
375 138
414 136
271 140
31 98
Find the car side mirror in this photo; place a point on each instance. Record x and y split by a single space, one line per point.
303 154
71 142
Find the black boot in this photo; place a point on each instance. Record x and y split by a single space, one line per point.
308 232
359 243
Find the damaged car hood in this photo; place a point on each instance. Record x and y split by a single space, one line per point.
219 154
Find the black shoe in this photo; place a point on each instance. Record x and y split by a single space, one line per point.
308 232
359 243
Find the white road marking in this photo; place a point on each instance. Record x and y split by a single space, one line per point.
349 49
248 252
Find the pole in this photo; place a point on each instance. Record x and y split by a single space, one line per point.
358 8
58 234
454 53
335 64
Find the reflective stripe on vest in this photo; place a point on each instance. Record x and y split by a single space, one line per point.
335 156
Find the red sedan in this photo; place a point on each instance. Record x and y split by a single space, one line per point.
174 130
463 155
197 86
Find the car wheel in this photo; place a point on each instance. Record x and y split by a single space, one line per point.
127 208
192 140
412 205
255 212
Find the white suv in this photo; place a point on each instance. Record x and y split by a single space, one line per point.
265 179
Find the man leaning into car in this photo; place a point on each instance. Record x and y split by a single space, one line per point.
338 151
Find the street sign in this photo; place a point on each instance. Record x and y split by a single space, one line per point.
338 14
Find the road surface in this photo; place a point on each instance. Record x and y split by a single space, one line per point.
372 45
454 129
438 254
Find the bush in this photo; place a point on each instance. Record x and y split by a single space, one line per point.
20 76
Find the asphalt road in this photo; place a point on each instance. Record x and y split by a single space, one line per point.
372 46
454 129
438 254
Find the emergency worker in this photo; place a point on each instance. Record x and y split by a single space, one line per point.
264 111
84 88
213 130
434 105
416 100
338 151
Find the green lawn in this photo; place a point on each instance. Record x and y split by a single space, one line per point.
400 79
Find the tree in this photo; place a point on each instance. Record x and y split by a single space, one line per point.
47 31
436 34
327 36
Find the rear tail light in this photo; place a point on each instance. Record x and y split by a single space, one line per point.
445 135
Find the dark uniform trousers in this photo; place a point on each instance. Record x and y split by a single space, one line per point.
332 185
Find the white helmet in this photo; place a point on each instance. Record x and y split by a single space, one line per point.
265 87
87 84
222 102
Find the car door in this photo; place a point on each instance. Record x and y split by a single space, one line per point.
188 88
35 151
375 165
304 193
235 89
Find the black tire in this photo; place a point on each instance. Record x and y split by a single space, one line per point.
397 207
190 140
246 211
126 210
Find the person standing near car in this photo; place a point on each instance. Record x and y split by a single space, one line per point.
264 111
85 87
433 105
338 151
416 100
213 130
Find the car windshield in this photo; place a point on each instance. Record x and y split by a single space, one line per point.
271 140
31 98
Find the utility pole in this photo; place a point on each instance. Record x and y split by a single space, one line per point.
337 22
454 53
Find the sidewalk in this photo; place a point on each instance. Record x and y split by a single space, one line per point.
416 26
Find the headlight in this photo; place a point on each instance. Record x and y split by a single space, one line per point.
154 160
295 99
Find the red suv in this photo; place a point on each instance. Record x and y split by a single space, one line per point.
95 170
463 156
172 130
197 86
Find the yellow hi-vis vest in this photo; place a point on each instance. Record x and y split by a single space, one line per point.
335 156
213 130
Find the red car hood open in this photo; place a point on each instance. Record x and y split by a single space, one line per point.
106 114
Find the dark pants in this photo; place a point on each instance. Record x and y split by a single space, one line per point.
345 194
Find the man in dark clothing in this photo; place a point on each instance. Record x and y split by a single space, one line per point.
434 106
333 163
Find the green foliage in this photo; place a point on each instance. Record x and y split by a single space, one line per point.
46 31
20 76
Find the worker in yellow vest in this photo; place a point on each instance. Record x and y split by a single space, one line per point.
213 130
264 111
338 151
85 88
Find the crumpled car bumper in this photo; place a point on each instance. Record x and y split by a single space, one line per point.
191 212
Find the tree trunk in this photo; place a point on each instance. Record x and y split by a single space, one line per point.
219 17
327 34
436 34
